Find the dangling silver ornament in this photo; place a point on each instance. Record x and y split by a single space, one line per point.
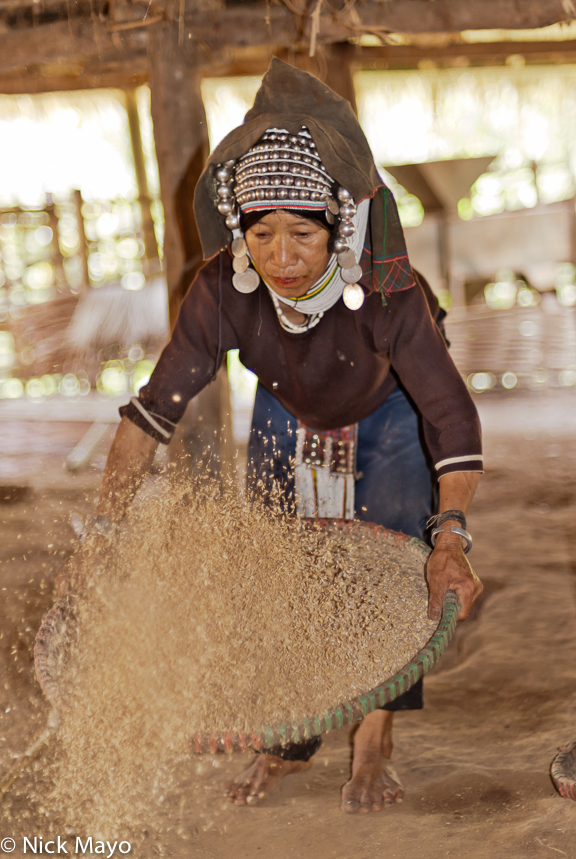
222 174
346 258
345 230
340 246
240 264
329 216
332 205
351 275
353 296
225 207
347 211
232 222
239 247
246 281
344 195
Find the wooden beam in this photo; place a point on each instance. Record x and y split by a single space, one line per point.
257 25
77 40
452 16
463 54
252 25
131 70
38 81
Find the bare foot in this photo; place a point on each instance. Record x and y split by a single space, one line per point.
374 781
265 774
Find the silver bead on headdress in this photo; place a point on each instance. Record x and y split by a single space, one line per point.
280 171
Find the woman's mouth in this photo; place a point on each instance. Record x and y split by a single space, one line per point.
286 281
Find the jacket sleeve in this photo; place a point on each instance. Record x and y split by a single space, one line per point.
195 352
419 355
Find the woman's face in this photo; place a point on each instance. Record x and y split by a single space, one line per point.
289 251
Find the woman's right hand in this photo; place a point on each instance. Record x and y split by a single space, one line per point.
129 461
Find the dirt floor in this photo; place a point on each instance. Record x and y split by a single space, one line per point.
475 762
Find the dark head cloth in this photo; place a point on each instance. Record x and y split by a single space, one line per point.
289 98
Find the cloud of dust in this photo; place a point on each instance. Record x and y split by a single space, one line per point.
212 614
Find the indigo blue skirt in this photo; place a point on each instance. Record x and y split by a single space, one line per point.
396 488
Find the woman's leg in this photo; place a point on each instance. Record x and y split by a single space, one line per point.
397 490
271 446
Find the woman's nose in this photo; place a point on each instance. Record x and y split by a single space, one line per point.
282 252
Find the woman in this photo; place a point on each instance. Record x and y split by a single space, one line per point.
309 278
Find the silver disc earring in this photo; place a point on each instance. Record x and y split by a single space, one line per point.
350 270
244 279
353 296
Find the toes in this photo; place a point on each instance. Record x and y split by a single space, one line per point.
237 793
254 797
366 802
393 796
350 806
247 792
350 803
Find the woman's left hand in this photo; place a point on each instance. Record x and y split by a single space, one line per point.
448 569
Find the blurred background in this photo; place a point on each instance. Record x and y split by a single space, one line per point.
108 110
103 135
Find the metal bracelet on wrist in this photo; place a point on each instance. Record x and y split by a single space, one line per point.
98 525
458 516
456 530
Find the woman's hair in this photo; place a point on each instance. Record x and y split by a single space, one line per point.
249 219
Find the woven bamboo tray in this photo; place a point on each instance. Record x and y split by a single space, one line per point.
563 771
56 621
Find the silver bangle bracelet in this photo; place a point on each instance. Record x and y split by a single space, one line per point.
456 530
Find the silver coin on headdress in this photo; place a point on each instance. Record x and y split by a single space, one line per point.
240 264
351 275
353 296
347 258
239 247
246 281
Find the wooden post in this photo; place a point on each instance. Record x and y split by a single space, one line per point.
148 234
181 138
83 249
340 71
55 244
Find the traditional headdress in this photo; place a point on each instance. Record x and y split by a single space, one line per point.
284 171
301 147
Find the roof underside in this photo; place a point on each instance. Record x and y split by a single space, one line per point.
98 43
